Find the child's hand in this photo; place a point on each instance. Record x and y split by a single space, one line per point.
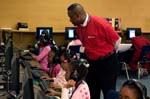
53 85
51 92
46 78
70 83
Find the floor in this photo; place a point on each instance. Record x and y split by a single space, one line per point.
145 80
121 79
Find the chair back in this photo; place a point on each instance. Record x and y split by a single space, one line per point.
145 53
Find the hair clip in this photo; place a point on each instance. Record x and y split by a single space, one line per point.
74 56
65 61
86 64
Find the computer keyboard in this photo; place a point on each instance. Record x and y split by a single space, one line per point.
44 84
24 54
25 63
26 57
36 73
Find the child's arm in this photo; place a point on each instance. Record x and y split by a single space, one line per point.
53 92
47 78
65 89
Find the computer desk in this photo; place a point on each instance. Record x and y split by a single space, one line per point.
124 47
36 87
34 63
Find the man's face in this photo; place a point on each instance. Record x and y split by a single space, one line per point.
74 18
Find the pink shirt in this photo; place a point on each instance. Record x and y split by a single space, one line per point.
60 78
54 70
42 58
82 92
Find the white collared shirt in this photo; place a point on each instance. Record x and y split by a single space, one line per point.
86 21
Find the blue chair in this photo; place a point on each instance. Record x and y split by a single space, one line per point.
144 59
112 94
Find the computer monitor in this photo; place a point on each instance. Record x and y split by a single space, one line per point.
28 92
3 36
75 48
132 32
8 54
6 35
15 71
70 33
39 31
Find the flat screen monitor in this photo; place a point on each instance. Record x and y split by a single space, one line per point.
6 35
75 48
8 54
132 32
3 36
15 70
28 91
40 30
70 33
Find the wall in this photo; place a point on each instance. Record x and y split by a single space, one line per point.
133 13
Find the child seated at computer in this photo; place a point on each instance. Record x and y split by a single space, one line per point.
133 54
43 54
53 62
138 42
37 46
76 87
53 65
60 80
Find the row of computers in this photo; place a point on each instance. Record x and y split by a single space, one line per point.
14 86
70 32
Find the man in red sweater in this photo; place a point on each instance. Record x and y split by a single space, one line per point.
100 42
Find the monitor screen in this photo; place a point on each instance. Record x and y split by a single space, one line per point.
41 30
132 32
70 33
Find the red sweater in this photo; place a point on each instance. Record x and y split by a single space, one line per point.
98 37
138 42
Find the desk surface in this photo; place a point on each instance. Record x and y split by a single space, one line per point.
124 47
34 63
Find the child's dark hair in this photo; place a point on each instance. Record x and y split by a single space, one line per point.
68 55
138 87
80 69
56 58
